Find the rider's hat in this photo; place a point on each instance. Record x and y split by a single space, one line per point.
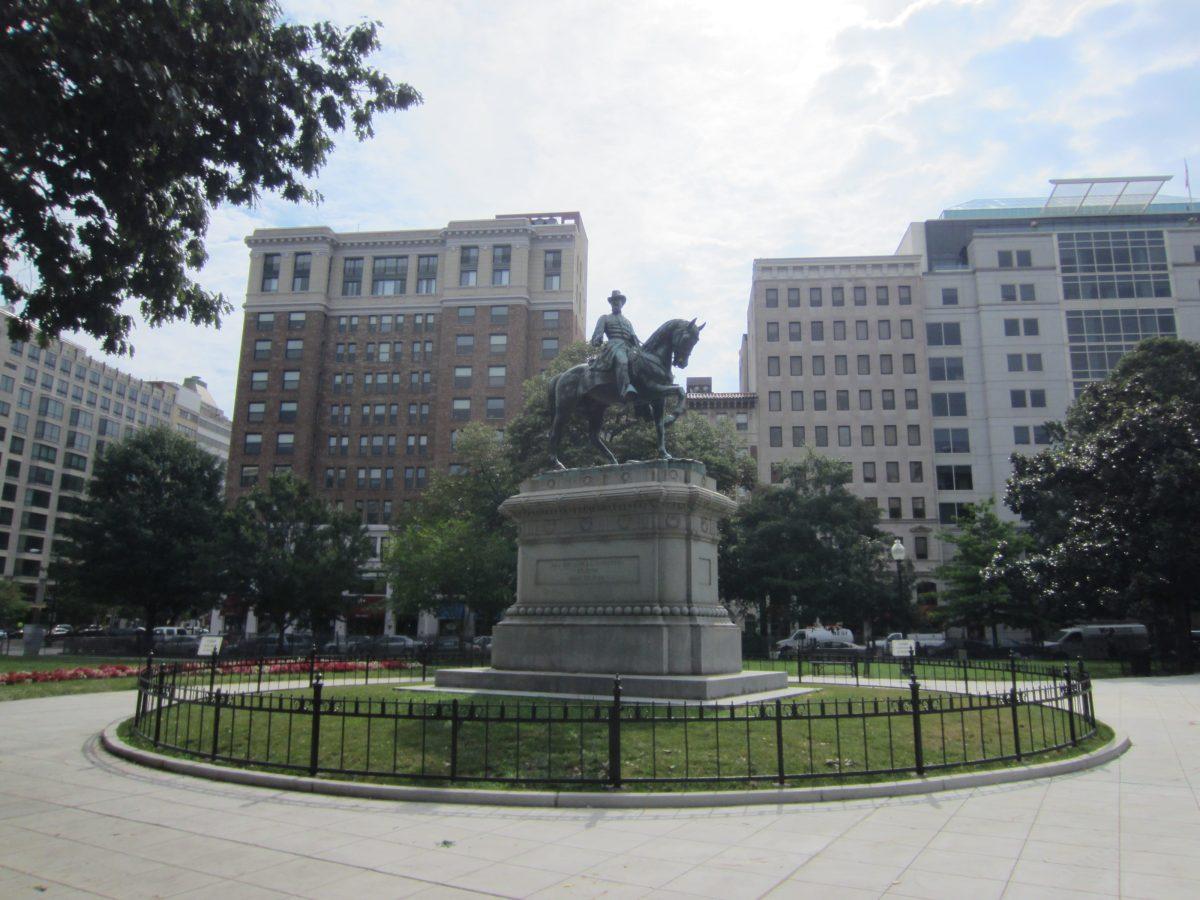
616 296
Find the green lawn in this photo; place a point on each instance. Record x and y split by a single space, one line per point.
397 737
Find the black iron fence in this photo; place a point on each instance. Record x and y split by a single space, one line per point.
292 714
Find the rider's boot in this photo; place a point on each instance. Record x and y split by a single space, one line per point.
625 390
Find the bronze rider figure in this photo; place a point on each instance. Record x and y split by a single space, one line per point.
614 355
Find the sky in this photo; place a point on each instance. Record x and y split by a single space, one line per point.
695 137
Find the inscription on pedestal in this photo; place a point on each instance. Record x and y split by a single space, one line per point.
587 570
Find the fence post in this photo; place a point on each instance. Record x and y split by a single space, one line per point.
854 669
1069 693
316 725
367 668
212 673
1016 722
312 664
918 744
614 735
258 686
454 739
216 698
779 739
966 676
162 677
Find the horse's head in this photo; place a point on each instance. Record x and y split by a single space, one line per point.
684 339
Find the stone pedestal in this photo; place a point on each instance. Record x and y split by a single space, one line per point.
617 574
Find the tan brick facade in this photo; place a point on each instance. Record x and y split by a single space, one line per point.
399 346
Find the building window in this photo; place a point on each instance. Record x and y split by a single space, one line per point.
262 349
881 295
549 318
497 376
1020 434
1017 399
885 364
468 267
914 435
868 473
287 410
294 349
1004 259
797 435
772 331
270 276
772 365
939 334
258 381
1008 293
771 300
285 443
1028 293
1024 259
352 273
945 368
249 476
498 315
905 293
795 332
860 296
916 472
263 322
822 435
954 478
895 510
819 402
549 347
949 296
839 329
291 380
843 433
793 298
776 436
460 409
920 543
817 330
495 407
427 274
814 297
797 401
296 321
774 401
951 440
842 401
818 365
953 404
501 264
867 435
948 513
864 364
464 344
462 376
301 271
252 444
389 276
553 270
741 421
796 365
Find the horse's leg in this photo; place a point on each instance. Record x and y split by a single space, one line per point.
595 416
657 406
563 405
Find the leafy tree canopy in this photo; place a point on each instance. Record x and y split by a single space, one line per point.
629 434
807 548
13 605
122 123
293 557
982 588
147 537
455 546
1111 503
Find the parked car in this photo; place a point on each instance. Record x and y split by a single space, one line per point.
925 641
976 649
805 638
388 645
1098 641
177 645
58 632
835 649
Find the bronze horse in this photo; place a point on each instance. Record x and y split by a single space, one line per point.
649 371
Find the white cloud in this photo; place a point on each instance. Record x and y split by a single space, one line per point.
695 137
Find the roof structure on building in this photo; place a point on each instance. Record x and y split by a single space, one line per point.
1113 195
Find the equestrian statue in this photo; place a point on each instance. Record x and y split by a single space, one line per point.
624 371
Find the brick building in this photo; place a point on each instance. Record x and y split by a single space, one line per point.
363 353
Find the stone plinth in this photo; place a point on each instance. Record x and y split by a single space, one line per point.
617 573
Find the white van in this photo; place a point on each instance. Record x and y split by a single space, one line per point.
806 637
1099 641
168 631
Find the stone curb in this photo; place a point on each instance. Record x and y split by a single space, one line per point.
592 800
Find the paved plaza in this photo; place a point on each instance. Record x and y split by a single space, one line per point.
74 821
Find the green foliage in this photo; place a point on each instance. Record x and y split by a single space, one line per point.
1111 503
982 584
122 123
294 557
807 548
455 546
147 538
630 435
13 605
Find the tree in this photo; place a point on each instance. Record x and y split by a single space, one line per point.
982 586
1111 503
147 536
122 123
293 557
455 546
13 605
807 548
630 435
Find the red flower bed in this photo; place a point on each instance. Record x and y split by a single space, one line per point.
78 673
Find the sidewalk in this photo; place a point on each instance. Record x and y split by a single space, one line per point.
76 822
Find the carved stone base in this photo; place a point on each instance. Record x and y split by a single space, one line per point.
617 573
661 687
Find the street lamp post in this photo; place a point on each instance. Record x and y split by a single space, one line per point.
899 555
